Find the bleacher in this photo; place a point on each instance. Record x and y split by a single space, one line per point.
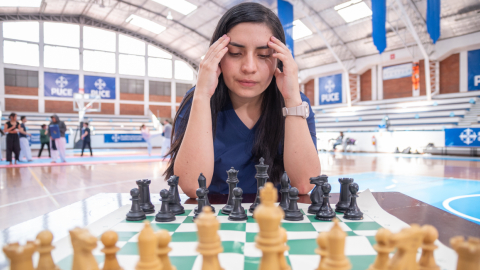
99 124
436 114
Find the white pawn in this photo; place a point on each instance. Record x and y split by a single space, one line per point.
44 242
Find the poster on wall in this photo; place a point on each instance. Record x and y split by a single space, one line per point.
60 85
397 72
474 70
330 89
466 137
102 86
123 138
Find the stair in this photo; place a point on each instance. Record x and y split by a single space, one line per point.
471 117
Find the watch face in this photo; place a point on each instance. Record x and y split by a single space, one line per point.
307 109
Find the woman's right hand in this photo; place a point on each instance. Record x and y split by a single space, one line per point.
209 70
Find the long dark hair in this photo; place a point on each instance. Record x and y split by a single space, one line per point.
270 131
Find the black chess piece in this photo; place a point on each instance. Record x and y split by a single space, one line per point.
284 188
325 212
317 193
353 212
293 213
202 183
174 203
136 213
238 212
261 177
232 182
201 201
147 205
344 201
165 214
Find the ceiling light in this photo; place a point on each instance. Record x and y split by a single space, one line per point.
300 30
20 3
180 6
169 16
353 10
145 24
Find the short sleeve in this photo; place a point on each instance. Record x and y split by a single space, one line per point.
310 120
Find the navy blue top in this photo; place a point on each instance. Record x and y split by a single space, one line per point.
21 135
233 145
87 138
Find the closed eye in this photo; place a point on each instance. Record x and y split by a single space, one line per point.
264 56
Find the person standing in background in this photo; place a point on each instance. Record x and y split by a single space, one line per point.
86 138
60 141
167 135
25 150
44 140
1 135
12 128
148 137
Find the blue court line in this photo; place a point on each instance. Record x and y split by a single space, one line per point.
428 189
405 156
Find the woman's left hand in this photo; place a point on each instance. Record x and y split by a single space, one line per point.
287 81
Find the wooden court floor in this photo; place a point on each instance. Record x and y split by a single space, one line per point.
29 192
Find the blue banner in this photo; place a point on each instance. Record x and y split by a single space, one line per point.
466 137
35 138
123 138
433 19
60 85
285 14
474 70
330 89
379 17
102 86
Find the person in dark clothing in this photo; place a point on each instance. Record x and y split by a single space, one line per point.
44 140
12 128
86 138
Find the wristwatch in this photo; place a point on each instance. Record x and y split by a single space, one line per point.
303 110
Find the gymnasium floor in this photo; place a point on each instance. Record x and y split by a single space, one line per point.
449 183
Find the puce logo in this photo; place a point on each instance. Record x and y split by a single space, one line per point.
468 136
330 86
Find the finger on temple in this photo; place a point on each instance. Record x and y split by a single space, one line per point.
213 46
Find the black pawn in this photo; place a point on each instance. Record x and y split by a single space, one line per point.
344 201
293 213
202 183
165 214
232 182
325 212
261 177
174 203
201 194
284 188
147 205
238 212
317 193
136 213
353 212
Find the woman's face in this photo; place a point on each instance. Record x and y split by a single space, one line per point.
248 66
13 118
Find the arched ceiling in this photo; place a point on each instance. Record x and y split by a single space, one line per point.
188 36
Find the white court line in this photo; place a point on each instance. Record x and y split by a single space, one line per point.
62 192
447 202
44 188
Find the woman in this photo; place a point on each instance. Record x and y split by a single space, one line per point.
147 137
12 128
233 116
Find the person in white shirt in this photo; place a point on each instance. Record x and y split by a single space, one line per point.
167 135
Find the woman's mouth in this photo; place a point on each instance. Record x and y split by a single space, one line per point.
247 83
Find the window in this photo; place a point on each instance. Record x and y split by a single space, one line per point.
156 52
131 86
21 78
61 57
183 71
28 31
20 53
353 10
131 65
61 34
159 88
130 45
161 68
98 61
182 89
98 39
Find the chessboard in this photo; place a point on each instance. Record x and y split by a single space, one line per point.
239 251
